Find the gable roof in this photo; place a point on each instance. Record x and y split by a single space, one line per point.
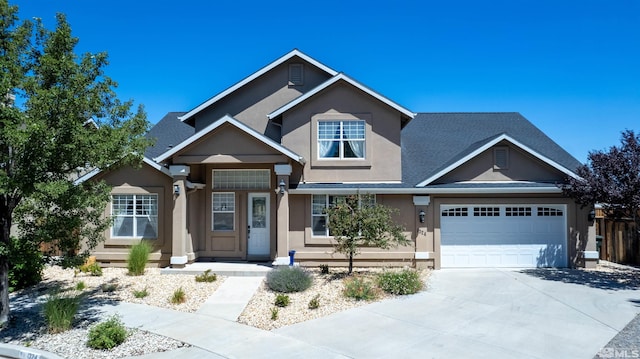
262 71
435 143
241 126
89 175
341 77
168 132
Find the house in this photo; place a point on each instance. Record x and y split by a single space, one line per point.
246 176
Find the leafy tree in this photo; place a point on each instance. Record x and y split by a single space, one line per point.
59 115
612 179
356 221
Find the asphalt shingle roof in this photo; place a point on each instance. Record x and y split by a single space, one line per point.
432 141
168 132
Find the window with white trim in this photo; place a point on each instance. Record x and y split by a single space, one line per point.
341 139
320 202
223 211
134 216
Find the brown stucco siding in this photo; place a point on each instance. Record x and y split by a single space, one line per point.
383 162
251 103
522 167
146 180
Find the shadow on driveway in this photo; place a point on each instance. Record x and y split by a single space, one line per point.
606 276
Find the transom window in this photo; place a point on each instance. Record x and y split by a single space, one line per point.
320 220
341 139
223 211
486 211
134 215
241 179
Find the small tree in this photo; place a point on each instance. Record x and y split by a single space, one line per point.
356 221
611 179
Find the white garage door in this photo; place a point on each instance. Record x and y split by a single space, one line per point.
522 236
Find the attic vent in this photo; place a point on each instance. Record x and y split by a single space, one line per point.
296 74
501 158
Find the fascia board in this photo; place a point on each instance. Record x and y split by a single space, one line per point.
490 144
427 191
254 76
89 175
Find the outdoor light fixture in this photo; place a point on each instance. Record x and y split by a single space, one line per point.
282 185
176 189
592 215
421 216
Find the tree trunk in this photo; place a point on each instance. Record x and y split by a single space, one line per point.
7 205
350 262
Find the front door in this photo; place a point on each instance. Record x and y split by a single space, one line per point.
258 225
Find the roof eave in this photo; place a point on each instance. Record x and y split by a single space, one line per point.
262 71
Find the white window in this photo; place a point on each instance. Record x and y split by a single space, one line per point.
223 211
134 215
319 219
241 179
341 139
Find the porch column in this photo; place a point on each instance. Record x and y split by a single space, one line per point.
425 256
283 173
179 231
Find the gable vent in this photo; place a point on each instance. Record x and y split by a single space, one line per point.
501 158
296 74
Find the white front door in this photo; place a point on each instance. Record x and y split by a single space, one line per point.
258 222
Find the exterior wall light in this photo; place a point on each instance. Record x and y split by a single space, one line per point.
592 215
421 216
282 185
176 189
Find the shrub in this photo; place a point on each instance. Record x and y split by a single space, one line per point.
109 287
359 288
138 258
206 277
25 263
80 285
314 303
324 269
400 283
282 300
178 296
59 312
92 268
108 334
140 293
274 313
289 279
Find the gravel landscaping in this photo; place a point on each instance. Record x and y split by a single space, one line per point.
27 328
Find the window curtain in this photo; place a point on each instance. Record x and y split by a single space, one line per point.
357 147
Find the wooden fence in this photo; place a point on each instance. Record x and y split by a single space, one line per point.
618 242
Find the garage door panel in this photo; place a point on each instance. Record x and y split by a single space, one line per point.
527 237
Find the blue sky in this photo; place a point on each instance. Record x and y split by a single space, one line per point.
571 67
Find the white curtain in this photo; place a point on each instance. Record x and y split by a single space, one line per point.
358 148
324 148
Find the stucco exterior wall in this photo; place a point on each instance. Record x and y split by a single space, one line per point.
254 101
522 167
342 101
146 180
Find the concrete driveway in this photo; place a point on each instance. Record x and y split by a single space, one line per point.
484 313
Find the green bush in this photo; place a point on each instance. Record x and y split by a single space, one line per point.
206 277
314 303
108 334
138 258
178 296
59 312
400 283
140 293
80 285
360 288
289 279
282 300
274 313
92 268
26 263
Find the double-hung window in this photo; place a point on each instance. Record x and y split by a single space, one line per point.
134 215
224 209
341 139
320 220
